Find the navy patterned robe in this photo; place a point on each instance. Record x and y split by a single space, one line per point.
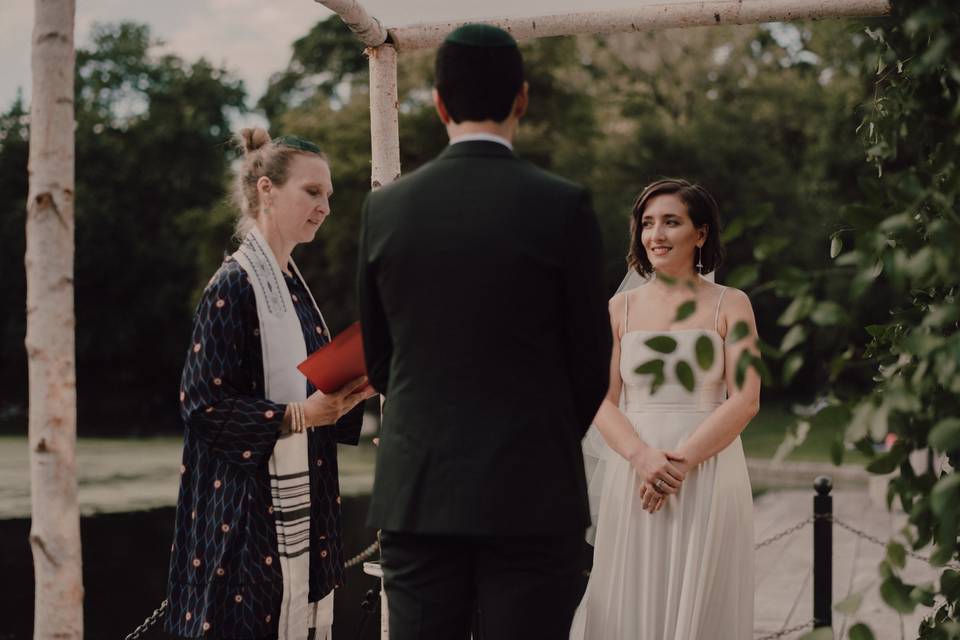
225 579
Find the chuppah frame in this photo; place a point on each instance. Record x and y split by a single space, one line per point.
384 44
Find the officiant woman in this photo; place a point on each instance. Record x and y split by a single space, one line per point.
257 550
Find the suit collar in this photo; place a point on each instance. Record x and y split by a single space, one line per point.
477 148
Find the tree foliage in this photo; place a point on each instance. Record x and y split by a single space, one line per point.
150 146
898 244
763 116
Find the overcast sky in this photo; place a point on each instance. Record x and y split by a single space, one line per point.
250 37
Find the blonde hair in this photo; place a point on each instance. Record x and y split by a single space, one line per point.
262 157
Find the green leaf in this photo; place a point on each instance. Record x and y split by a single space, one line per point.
761 368
950 584
896 594
945 435
799 309
832 417
658 380
740 331
743 276
662 344
705 352
923 595
941 555
849 605
836 246
734 230
945 493
743 365
861 631
828 314
791 366
650 367
876 330
860 422
686 310
769 351
769 247
685 375
794 337
896 555
836 451
890 460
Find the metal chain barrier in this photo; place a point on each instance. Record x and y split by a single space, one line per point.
869 538
154 617
786 632
363 556
151 620
784 533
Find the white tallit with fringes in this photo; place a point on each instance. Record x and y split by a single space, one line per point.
283 349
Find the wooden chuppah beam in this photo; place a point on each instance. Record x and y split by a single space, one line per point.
367 28
649 16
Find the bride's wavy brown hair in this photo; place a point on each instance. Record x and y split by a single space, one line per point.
703 211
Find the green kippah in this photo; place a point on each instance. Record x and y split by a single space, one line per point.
296 142
480 35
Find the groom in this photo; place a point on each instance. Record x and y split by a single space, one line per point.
485 326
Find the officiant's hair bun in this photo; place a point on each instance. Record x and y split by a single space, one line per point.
263 157
254 139
703 211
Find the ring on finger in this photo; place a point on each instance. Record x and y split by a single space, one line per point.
658 485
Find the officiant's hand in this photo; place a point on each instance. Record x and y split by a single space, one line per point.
323 409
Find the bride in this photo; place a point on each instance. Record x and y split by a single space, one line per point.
673 555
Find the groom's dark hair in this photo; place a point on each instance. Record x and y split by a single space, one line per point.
703 211
478 74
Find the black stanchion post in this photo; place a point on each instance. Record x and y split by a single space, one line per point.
822 552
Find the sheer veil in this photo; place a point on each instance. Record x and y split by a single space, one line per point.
596 451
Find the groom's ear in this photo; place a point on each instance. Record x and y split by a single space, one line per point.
441 108
522 100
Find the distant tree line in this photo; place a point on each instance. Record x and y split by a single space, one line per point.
765 117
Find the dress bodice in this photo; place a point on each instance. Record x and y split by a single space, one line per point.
709 386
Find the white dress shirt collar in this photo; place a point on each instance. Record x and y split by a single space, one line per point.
489 137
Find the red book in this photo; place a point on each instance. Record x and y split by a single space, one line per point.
337 362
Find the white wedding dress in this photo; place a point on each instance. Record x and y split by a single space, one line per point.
685 572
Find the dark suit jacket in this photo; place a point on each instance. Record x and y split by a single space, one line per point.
485 325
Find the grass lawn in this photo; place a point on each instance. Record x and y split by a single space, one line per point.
767 430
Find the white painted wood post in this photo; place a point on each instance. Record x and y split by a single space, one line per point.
385 168
50 339
384 116
367 28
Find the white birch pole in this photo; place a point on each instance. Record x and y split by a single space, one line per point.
661 15
385 168
367 28
50 340
384 116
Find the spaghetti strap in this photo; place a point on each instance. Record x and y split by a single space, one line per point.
716 315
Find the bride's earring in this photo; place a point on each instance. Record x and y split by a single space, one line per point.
699 262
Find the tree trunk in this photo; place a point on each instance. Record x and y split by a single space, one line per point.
50 341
